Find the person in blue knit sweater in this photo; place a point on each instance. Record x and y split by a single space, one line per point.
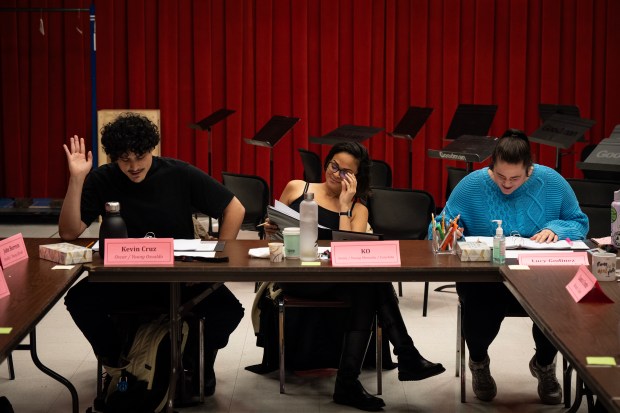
534 201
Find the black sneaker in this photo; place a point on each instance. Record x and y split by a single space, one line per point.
549 389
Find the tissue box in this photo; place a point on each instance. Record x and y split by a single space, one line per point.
473 251
65 253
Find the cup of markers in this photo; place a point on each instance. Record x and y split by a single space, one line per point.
444 234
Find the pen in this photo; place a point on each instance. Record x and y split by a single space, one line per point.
569 241
262 225
90 244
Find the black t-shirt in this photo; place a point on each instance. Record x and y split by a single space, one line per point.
163 203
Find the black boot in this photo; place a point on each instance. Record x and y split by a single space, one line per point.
210 372
348 390
411 364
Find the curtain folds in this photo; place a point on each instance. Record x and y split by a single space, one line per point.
328 62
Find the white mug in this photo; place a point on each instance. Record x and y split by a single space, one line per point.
604 266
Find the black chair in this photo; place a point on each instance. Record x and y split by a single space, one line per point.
401 214
595 198
454 177
253 192
380 174
313 168
287 301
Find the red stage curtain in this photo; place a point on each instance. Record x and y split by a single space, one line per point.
329 62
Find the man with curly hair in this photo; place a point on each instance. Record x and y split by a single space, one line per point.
157 195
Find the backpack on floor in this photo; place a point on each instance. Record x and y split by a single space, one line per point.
142 385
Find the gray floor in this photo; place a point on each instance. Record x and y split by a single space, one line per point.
63 348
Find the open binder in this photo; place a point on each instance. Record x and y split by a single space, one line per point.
284 217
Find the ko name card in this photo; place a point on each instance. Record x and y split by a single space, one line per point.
365 254
139 251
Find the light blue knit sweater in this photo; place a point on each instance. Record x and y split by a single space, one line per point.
545 200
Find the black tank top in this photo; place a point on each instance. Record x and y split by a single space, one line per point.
327 218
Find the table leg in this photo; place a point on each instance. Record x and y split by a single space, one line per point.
51 373
175 343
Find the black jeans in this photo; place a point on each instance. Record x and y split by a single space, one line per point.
92 305
484 306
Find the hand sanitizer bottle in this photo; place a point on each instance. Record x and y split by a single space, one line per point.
499 244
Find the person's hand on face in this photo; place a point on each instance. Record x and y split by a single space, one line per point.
546 235
349 189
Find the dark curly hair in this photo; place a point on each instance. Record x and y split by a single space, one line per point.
359 152
129 132
513 147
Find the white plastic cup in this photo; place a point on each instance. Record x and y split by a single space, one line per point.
291 242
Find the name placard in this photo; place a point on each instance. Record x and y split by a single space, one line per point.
585 287
12 250
4 289
575 258
139 251
365 254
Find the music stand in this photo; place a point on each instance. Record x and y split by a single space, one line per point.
347 133
269 135
545 110
408 127
467 148
561 131
206 124
605 156
471 120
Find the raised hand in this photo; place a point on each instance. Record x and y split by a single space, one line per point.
80 163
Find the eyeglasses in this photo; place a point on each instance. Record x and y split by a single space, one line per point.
342 172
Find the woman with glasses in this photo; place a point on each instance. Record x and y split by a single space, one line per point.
347 168
535 202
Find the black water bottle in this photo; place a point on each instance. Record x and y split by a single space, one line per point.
112 225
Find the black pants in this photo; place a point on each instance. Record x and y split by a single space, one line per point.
484 306
92 305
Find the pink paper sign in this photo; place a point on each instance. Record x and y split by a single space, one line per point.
365 254
12 250
574 258
4 289
139 251
584 286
